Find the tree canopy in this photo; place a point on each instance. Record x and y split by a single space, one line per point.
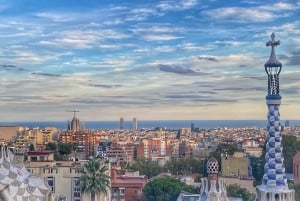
51 146
235 190
165 189
64 148
290 147
146 167
176 166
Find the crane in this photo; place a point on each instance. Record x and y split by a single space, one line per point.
74 111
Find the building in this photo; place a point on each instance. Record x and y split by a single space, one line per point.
274 185
75 125
126 187
61 176
296 168
134 124
121 123
10 133
235 166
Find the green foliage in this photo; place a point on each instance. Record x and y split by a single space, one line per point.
235 190
176 167
165 189
60 149
229 148
94 178
146 167
51 146
64 148
297 190
223 148
257 164
184 166
290 148
31 147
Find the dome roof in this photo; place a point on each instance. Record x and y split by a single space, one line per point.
212 166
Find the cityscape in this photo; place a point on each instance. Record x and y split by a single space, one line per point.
183 100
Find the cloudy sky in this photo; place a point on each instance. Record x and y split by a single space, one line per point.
150 59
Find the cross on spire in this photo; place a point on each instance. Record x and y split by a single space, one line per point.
273 62
272 42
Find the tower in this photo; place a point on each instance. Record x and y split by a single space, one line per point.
134 124
121 123
75 124
213 187
274 185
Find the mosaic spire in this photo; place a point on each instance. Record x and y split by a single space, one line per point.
274 167
274 185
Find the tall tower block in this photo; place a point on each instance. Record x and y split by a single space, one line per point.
274 185
121 123
134 124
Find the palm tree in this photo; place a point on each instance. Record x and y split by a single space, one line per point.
94 178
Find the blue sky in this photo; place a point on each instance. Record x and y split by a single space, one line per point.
170 59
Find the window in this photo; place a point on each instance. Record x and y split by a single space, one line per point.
75 188
122 191
33 158
51 183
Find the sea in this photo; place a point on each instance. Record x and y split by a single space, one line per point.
151 124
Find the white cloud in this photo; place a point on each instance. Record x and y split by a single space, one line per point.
161 37
251 14
164 49
84 39
280 6
239 14
230 43
57 16
196 47
177 5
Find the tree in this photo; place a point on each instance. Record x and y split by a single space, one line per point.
31 147
297 190
184 166
223 148
290 147
235 190
51 146
146 167
94 178
64 148
257 164
165 189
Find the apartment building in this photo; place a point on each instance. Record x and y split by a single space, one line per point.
61 176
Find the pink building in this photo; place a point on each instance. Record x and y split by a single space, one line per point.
296 168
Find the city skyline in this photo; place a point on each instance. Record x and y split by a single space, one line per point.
182 59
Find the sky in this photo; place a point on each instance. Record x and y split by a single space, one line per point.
149 59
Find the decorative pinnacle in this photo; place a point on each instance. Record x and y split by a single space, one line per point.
273 62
